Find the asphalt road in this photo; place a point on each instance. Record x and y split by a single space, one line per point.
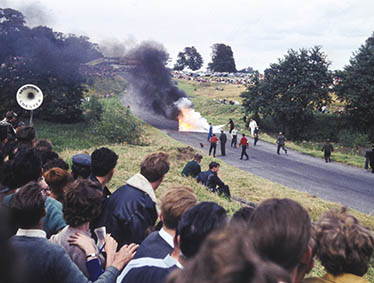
350 186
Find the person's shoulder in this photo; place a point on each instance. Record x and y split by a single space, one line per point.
53 203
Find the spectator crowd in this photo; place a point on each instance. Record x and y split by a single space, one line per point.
58 225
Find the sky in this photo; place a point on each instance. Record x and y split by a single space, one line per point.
259 32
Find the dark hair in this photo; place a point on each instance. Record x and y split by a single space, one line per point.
227 256
10 115
197 156
196 223
46 156
57 179
28 205
174 203
25 167
280 231
25 134
155 166
343 244
55 163
82 203
213 164
78 170
43 145
103 160
242 215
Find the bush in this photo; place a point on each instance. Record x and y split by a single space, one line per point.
353 139
117 124
92 109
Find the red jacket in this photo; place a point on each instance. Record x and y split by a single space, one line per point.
213 139
243 141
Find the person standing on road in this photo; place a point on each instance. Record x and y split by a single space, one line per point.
255 135
327 149
223 139
213 145
281 141
244 144
231 125
252 126
366 155
210 131
370 155
234 137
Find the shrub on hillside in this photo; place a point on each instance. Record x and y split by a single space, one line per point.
92 109
116 124
353 139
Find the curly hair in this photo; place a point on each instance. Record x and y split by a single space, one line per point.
343 244
82 202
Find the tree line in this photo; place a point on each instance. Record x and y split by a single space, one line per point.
291 91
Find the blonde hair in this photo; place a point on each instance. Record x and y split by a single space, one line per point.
174 203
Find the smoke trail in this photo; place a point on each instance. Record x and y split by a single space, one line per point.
150 81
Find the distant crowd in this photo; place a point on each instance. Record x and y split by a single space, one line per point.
62 224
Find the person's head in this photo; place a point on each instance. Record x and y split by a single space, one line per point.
174 203
43 145
11 117
242 215
214 166
372 147
154 167
196 223
210 124
222 131
343 244
26 166
25 135
46 156
243 135
81 165
197 157
57 162
103 162
280 231
57 180
214 135
82 202
227 256
280 133
28 205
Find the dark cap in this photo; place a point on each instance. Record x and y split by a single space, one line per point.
82 159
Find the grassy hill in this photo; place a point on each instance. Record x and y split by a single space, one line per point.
73 139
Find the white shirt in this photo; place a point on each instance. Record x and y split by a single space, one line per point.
35 233
166 237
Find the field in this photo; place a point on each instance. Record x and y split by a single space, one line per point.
206 101
72 139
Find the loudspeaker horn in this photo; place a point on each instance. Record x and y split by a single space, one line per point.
29 97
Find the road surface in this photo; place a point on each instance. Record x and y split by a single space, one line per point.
350 186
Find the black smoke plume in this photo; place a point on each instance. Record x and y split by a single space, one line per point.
150 82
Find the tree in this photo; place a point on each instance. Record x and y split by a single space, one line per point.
355 87
248 70
291 90
189 58
222 59
46 58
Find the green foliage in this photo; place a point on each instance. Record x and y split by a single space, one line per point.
222 59
356 87
117 124
353 139
189 58
92 109
291 90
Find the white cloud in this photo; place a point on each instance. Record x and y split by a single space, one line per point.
259 32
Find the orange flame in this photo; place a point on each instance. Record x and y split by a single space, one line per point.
184 124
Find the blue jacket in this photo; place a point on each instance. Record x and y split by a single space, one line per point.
128 214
